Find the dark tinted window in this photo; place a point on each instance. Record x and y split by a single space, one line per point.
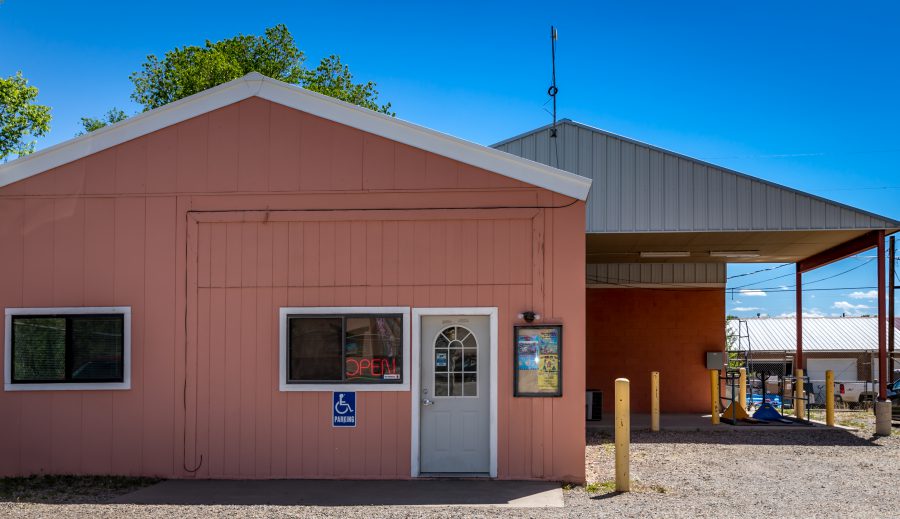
97 348
39 349
315 352
68 348
345 349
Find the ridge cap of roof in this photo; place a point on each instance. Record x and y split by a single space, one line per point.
255 84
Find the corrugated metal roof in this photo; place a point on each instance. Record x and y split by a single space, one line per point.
640 188
669 274
819 333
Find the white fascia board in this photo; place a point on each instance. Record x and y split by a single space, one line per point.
131 128
254 84
506 164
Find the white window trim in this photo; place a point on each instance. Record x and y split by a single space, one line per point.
493 314
76 310
283 314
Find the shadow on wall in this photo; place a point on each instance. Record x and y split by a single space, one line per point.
631 332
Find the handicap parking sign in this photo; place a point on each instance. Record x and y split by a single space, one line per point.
343 407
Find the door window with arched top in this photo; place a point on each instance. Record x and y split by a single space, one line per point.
455 363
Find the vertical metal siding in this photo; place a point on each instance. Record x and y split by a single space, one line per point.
640 188
656 273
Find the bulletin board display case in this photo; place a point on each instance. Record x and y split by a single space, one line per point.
537 360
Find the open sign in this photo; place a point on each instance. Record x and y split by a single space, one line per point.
374 368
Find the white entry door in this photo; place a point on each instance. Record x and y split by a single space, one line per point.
454 395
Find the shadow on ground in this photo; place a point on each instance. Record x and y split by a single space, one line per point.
733 436
348 493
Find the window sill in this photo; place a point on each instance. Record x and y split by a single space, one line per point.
96 386
343 387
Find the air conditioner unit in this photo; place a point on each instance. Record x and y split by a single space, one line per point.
594 407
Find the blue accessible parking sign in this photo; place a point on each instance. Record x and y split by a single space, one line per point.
343 409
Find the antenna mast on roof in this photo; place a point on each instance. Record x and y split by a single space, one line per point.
552 91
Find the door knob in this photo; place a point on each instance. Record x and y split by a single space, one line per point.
427 402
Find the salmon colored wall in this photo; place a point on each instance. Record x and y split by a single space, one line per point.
161 224
632 331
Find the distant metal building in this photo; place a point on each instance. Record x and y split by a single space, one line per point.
847 345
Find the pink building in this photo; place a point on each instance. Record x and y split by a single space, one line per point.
262 282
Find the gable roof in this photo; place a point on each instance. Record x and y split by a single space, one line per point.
255 84
644 188
819 333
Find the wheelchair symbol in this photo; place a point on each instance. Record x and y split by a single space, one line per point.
341 407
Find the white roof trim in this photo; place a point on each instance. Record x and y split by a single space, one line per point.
255 84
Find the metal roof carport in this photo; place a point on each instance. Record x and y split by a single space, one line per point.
650 205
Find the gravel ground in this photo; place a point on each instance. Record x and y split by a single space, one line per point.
676 474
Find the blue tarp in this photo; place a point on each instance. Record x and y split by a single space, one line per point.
767 412
771 398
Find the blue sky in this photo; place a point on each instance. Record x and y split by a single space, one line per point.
802 93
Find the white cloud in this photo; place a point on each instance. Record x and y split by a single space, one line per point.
850 308
783 287
752 293
811 313
746 308
871 294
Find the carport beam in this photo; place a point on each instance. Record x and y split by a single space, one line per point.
798 295
882 322
860 243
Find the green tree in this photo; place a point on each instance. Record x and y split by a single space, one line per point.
20 116
188 70
334 79
90 124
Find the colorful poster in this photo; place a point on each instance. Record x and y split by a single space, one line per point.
538 352
548 372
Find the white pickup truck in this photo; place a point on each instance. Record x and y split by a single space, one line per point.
848 392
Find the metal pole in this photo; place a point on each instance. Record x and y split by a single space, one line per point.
654 401
892 293
882 406
623 432
882 340
799 404
798 358
714 395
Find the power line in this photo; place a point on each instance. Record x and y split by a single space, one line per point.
758 271
858 256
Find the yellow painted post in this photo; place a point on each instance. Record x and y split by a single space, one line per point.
829 398
742 390
714 395
654 401
623 432
799 403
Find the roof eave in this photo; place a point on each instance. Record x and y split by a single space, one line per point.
255 84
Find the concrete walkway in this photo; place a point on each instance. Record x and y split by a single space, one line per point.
698 422
287 492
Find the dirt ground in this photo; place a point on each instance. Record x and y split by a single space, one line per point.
822 473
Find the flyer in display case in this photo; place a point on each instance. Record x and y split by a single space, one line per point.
537 360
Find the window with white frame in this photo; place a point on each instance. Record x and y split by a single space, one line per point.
344 348
67 348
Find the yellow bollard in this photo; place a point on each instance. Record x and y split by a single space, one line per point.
742 390
829 398
654 401
623 431
714 395
799 403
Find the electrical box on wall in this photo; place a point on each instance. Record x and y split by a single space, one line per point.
715 359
